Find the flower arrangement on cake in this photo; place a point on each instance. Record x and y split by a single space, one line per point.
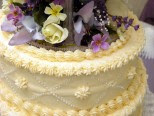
56 22
70 58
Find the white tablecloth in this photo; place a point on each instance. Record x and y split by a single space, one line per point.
149 104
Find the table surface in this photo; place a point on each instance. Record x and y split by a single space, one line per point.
149 104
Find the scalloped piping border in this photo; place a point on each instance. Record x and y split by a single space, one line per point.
116 107
78 55
69 56
60 56
87 67
68 69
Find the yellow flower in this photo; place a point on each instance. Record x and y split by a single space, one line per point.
54 33
55 15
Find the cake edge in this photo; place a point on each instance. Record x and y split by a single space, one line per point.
133 97
37 64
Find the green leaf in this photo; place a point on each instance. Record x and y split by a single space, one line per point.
39 16
17 4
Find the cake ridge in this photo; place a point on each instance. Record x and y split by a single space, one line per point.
70 58
104 63
133 95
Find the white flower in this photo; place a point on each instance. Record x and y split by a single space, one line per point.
21 83
132 73
82 92
54 33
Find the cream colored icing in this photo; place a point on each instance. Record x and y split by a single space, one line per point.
122 105
55 64
60 56
75 92
132 73
22 83
35 63
17 100
82 92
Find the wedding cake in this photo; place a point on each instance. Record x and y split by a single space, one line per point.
70 58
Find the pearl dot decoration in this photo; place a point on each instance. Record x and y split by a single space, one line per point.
127 101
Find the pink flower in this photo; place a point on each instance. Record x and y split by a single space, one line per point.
99 42
16 14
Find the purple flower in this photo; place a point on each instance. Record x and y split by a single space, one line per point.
125 19
119 20
131 21
28 32
114 18
28 7
84 16
99 42
119 24
15 14
8 26
136 27
60 2
126 26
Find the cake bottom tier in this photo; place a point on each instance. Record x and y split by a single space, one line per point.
7 110
127 104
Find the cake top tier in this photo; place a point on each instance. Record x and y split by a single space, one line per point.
102 36
69 24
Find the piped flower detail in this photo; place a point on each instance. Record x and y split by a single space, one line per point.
132 73
99 42
55 14
82 92
21 83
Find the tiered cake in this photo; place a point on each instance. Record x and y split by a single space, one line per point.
51 65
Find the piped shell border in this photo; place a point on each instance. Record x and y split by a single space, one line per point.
122 105
121 56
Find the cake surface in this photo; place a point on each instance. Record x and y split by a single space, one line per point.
41 60
50 79
114 97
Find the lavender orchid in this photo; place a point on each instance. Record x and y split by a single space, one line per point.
87 19
99 42
29 32
85 15
13 20
27 19
8 26
20 37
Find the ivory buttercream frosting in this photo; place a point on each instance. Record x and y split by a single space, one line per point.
46 69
